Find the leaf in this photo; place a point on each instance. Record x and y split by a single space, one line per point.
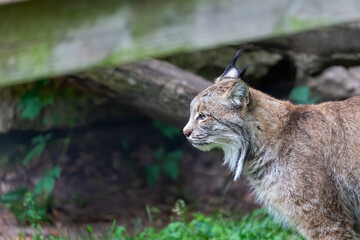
171 164
302 95
119 231
36 151
32 109
176 155
44 185
152 174
159 154
171 168
47 182
38 139
13 196
41 138
32 102
47 97
56 171
166 130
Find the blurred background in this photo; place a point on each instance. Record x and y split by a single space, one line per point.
94 95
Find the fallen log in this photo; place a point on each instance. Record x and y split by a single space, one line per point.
157 88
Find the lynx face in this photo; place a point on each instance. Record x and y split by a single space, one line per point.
218 120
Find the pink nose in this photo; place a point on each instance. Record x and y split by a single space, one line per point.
187 132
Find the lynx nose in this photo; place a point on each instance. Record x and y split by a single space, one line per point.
187 132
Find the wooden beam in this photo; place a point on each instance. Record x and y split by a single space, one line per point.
47 38
10 1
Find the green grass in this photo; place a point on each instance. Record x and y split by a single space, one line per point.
257 225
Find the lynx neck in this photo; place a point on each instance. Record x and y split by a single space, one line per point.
267 119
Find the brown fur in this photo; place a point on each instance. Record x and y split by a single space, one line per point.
302 161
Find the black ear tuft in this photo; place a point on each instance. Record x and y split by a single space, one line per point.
237 54
231 70
243 71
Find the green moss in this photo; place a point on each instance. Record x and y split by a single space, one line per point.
295 24
30 31
162 15
49 19
141 51
38 37
20 63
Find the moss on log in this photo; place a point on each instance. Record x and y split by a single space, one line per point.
48 38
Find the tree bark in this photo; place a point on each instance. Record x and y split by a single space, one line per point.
157 88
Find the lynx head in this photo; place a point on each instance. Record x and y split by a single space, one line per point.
218 118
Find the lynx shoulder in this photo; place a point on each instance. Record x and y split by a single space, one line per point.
303 161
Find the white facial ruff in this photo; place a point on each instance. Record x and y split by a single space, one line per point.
234 152
233 159
234 147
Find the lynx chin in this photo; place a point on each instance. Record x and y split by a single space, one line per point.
303 161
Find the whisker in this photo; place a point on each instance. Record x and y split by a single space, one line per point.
220 143
206 146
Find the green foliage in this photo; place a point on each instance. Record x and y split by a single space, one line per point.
166 130
32 215
28 211
302 95
31 212
46 184
33 101
180 210
116 233
39 143
14 201
152 173
167 163
257 225
17 201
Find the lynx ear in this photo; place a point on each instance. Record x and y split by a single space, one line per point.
239 94
231 70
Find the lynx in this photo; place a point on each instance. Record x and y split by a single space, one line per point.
303 161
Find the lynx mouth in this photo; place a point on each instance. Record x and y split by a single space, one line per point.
199 143
203 145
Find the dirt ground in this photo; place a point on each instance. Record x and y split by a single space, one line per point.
103 177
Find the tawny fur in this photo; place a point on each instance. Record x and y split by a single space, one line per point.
302 161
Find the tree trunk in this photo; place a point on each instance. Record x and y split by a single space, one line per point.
157 88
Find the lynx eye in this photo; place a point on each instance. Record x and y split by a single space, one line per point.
201 116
